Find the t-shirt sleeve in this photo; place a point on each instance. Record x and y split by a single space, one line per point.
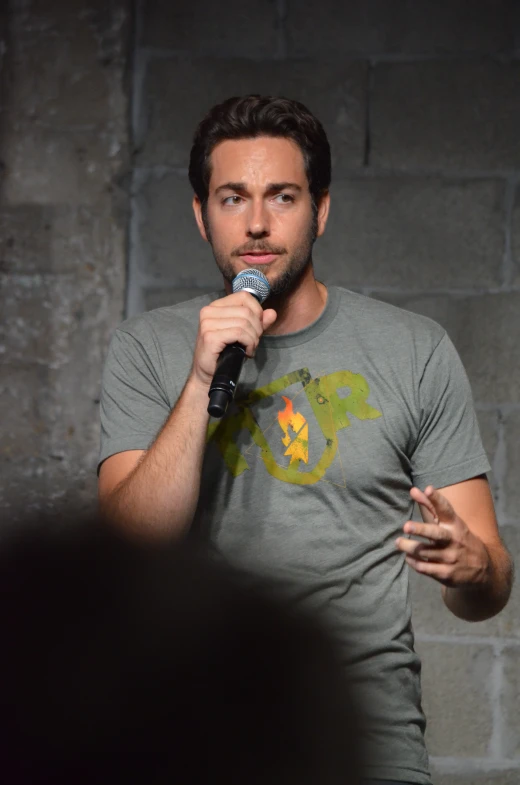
134 404
449 447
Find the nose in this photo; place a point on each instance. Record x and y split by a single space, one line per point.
258 220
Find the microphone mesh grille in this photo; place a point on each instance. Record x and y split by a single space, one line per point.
254 282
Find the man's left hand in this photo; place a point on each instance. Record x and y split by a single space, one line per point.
452 554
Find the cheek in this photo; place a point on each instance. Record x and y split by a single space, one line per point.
294 229
225 229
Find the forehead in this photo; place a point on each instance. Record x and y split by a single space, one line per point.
264 159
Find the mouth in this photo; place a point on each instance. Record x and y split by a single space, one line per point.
259 258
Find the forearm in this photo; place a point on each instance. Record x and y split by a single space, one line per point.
159 497
487 597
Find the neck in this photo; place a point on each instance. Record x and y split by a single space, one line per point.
300 307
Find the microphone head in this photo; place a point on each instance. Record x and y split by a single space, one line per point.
254 282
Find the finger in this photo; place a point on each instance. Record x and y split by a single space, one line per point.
218 338
441 572
426 505
239 299
232 312
439 533
269 317
442 506
212 324
422 551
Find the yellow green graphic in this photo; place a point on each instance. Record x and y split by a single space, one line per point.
331 412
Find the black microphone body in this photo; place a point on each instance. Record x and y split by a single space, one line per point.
231 358
225 380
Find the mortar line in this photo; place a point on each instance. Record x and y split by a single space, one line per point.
156 53
494 695
465 640
500 465
449 175
369 87
501 408
452 291
374 173
516 28
160 170
476 58
474 765
508 263
281 16
134 300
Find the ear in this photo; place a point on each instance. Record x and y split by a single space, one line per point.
197 209
323 212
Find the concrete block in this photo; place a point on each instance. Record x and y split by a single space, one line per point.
44 485
24 395
66 121
38 238
456 683
515 239
236 28
475 775
168 244
413 233
45 166
336 29
458 116
510 703
177 93
512 471
488 423
59 77
25 238
171 295
484 328
431 617
52 320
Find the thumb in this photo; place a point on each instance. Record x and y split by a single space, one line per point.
269 317
443 508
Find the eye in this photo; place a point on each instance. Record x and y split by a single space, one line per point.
232 200
284 198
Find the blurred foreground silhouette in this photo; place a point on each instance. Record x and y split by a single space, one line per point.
150 664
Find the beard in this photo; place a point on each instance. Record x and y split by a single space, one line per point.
287 279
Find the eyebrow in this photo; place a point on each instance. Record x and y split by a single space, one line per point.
270 188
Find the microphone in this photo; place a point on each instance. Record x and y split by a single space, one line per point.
232 357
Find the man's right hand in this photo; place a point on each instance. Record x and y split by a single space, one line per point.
236 318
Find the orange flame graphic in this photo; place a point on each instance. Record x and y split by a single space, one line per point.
298 449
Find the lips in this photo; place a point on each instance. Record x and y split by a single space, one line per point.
259 258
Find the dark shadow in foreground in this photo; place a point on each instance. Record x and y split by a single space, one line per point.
150 664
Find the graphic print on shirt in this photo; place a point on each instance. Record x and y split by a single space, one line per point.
329 409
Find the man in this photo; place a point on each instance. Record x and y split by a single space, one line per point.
348 411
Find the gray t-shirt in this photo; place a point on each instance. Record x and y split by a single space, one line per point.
306 480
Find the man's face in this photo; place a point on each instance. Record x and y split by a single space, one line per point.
259 211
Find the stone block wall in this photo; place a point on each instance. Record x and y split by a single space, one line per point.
421 102
98 102
64 153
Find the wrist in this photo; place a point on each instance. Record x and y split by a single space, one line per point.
196 387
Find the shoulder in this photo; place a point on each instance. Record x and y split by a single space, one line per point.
179 319
387 324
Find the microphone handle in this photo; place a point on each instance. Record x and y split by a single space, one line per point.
225 380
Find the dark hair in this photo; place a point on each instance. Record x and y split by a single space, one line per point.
255 115
127 662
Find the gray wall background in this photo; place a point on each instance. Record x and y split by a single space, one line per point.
421 101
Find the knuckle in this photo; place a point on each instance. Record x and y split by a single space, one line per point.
244 336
